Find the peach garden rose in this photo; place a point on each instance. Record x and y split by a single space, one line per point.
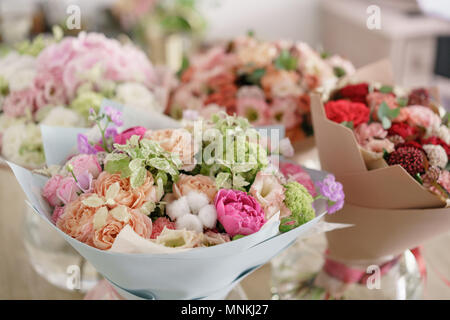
199 183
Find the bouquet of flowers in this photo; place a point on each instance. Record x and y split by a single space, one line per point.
62 82
266 82
205 198
389 148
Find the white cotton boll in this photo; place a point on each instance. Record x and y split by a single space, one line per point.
208 216
196 201
189 222
177 209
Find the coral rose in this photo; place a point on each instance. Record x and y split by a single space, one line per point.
105 235
127 196
198 183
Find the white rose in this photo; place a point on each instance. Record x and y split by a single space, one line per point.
63 117
137 95
22 144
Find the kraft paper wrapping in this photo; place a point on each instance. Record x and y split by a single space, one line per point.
391 212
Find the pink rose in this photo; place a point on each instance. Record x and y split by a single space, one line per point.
238 212
294 172
254 109
269 192
122 138
422 116
67 190
85 162
17 102
50 188
57 213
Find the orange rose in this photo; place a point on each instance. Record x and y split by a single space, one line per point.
76 221
127 196
105 236
176 141
199 183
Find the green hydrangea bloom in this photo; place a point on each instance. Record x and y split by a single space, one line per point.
85 101
299 201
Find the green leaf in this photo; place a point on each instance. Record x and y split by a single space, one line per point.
386 123
137 177
238 236
118 166
348 124
402 101
251 33
386 89
286 61
386 114
184 66
339 72
325 55
223 180
256 75
418 178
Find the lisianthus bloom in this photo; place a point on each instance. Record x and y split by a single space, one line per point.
333 191
85 162
176 141
122 138
238 212
130 197
269 192
17 103
199 183
281 83
346 111
294 172
436 155
254 109
355 92
284 111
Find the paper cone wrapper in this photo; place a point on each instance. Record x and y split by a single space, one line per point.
389 187
379 233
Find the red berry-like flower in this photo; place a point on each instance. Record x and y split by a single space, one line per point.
344 110
158 226
355 92
410 158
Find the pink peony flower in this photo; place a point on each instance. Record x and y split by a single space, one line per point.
50 189
269 192
422 116
254 109
67 190
85 162
294 172
238 212
122 138
17 102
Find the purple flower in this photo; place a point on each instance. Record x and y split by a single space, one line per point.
115 115
333 191
84 182
84 146
110 132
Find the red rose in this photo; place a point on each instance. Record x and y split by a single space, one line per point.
437 141
355 92
344 110
404 130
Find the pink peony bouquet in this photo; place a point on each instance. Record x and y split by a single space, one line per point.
63 81
266 82
153 182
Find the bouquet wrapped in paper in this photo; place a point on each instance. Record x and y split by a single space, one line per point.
389 147
175 213
56 83
267 82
